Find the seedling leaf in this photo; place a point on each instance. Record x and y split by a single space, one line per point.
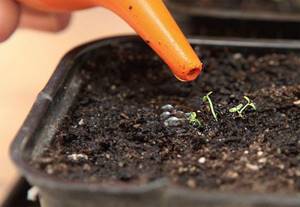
247 99
236 108
241 108
252 105
193 120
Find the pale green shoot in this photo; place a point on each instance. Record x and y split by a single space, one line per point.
240 109
193 120
210 103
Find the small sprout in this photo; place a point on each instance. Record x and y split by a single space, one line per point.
193 120
241 108
236 108
211 106
249 104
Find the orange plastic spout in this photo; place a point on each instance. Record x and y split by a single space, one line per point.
151 20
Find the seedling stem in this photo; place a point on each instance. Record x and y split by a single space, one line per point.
210 103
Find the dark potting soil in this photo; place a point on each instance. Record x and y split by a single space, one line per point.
114 133
286 6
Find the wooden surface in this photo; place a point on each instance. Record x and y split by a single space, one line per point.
26 62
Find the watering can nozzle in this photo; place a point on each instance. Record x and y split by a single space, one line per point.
152 21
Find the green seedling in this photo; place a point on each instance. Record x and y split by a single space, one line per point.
236 108
193 120
241 108
210 103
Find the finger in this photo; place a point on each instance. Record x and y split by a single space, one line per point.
53 22
9 18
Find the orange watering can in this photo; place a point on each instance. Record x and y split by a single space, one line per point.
151 20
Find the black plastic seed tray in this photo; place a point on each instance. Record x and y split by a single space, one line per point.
56 99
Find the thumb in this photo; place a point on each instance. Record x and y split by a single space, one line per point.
9 18
46 21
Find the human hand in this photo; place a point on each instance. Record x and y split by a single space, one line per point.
14 15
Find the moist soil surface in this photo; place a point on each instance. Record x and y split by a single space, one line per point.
115 133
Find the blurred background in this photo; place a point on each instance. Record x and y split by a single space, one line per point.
27 61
